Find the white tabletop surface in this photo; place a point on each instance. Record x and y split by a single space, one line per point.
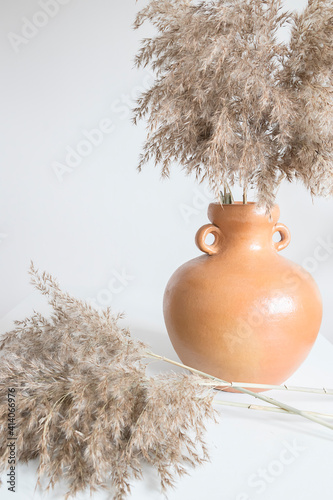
254 455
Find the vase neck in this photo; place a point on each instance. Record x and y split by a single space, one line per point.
250 237
245 226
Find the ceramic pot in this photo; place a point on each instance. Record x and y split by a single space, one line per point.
242 312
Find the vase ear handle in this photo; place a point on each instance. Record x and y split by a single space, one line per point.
285 236
200 239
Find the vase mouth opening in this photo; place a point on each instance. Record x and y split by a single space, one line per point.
243 212
249 205
235 203
238 203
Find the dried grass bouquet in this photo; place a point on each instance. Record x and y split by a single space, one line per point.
233 104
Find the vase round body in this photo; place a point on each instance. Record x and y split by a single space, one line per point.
241 311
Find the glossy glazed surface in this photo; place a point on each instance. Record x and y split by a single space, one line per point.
242 312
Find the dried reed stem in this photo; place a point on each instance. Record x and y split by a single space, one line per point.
267 408
244 196
217 382
284 387
267 399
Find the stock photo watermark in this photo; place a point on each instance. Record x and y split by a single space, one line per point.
322 252
75 155
123 105
30 28
199 202
117 284
93 138
260 480
310 265
280 302
11 477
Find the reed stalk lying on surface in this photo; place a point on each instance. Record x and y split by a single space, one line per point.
266 408
219 382
227 385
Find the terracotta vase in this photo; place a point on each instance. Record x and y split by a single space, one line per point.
242 312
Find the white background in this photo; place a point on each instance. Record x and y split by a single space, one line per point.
104 218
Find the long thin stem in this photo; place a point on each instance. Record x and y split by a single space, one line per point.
235 385
284 387
267 408
226 196
244 196
267 399
286 407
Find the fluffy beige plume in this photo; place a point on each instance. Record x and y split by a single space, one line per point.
230 102
84 405
308 73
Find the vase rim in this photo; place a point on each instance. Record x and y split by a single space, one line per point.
244 213
238 203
